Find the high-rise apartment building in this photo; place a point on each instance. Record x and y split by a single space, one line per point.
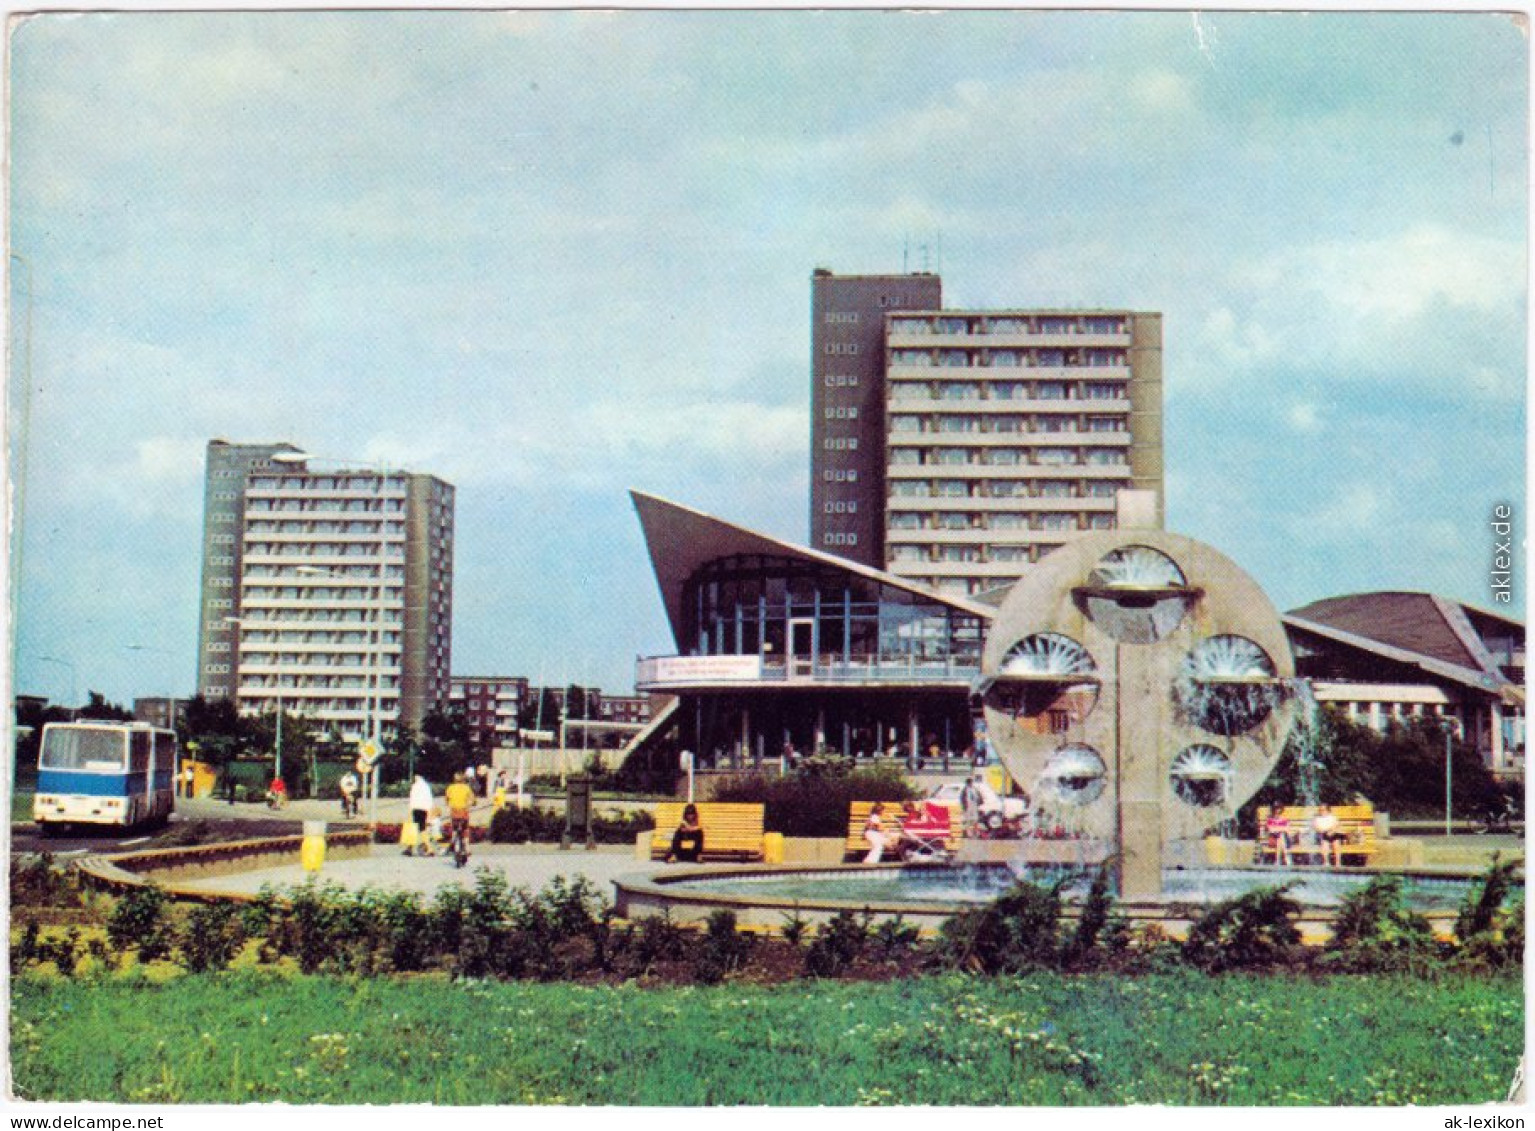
1010 431
954 447
343 590
847 405
223 525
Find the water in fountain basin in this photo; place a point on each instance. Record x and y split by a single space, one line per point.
1308 742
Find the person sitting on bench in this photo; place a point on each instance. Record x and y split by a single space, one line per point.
1329 834
1278 831
874 833
688 840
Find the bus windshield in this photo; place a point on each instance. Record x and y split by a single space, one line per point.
83 748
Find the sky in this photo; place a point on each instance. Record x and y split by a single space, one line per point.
553 256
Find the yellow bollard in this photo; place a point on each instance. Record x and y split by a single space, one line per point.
772 848
311 854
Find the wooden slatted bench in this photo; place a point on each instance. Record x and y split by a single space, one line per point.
732 830
1357 822
858 820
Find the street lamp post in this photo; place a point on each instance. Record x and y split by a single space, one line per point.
1447 777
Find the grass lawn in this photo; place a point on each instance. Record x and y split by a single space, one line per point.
1177 1038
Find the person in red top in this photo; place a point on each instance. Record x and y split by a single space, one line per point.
1278 831
277 794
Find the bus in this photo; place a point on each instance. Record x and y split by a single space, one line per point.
104 773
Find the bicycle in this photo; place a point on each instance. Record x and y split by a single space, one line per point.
459 843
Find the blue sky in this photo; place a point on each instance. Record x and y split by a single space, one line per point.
553 256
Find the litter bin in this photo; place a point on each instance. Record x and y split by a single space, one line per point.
772 848
578 812
311 853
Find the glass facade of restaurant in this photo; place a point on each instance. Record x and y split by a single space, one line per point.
828 623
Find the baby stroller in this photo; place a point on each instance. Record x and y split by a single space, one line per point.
925 832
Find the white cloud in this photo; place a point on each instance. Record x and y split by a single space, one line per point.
1237 345
1397 279
1352 511
170 459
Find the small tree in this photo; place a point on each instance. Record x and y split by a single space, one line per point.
445 744
97 707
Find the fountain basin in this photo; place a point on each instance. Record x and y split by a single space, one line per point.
764 896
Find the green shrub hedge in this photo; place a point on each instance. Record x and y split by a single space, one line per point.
816 805
521 826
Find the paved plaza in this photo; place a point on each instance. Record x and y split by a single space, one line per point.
524 865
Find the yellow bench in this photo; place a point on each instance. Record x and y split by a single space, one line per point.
732 830
1356 822
858 820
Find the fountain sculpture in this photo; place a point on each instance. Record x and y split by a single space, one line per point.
1137 684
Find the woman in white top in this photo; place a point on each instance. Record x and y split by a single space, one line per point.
421 805
873 832
1329 835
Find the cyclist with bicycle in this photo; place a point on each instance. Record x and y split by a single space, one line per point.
459 797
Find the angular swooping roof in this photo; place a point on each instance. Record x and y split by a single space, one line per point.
681 540
1436 634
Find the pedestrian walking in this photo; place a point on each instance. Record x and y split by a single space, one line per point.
421 805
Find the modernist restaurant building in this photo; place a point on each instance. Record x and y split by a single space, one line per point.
782 647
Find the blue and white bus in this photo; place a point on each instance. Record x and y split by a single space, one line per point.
103 773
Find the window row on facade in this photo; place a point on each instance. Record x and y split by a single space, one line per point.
906 489
997 324
901 458
985 552
903 426
295 530
991 488
368 482
302 553
960 453
337 710
368 658
365 578
1009 358
309 636
904 523
307 505
299 615
269 681
991 392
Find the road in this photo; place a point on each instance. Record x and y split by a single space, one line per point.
222 821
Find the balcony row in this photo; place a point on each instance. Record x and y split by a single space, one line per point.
983 364
1003 526
1027 329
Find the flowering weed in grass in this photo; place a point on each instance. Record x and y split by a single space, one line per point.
1042 1038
